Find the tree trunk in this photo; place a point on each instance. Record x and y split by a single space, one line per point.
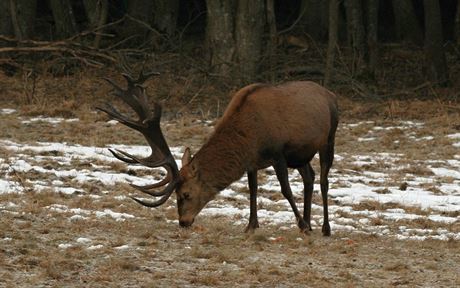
165 15
22 14
407 25
372 39
96 12
315 18
249 28
271 43
6 27
234 36
333 39
64 21
436 59
220 35
357 34
140 20
457 24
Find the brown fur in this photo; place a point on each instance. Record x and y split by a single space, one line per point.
281 126
291 119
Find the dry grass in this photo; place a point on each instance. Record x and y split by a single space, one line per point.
215 252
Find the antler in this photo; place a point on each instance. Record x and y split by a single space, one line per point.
149 125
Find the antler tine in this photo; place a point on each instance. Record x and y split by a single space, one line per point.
132 83
114 114
147 188
114 85
167 193
149 125
124 159
131 97
150 161
144 76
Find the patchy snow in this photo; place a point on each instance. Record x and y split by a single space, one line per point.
454 136
122 247
436 195
95 247
51 120
83 240
6 111
444 172
9 186
65 245
115 215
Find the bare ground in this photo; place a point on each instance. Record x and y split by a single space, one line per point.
162 255
42 245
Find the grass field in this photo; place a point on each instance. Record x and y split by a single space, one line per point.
67 219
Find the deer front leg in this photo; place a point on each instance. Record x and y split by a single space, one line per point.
253 222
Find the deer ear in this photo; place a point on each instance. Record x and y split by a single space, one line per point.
187 157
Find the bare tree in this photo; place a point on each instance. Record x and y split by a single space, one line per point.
356 32
139 20
372 39
315 18
249 28
407 25
64 20
22 14
97 12
457 24
272 31
165 15
435 56
332 43
6 27
220 35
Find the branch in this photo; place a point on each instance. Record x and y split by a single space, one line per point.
295 22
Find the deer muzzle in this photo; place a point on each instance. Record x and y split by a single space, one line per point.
186 222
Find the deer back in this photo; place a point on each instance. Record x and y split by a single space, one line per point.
293 113
263 121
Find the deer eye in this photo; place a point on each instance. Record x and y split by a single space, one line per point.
186 196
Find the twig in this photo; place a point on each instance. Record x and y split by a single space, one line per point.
146 25
93 31
295 22
113 46
408 91
78 50
181 34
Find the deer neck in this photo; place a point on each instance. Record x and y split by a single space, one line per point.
224 158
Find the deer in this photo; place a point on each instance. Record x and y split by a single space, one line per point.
283 126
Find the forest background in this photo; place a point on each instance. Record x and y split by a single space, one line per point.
380 52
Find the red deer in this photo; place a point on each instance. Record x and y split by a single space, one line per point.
282 126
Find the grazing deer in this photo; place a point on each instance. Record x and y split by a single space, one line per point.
282 126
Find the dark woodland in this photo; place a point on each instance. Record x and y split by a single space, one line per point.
365 49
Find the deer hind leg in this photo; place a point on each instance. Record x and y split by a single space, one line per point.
308 177
326 157
283 177
253 222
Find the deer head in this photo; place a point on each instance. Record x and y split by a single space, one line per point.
192 195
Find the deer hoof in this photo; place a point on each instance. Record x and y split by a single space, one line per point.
326 230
